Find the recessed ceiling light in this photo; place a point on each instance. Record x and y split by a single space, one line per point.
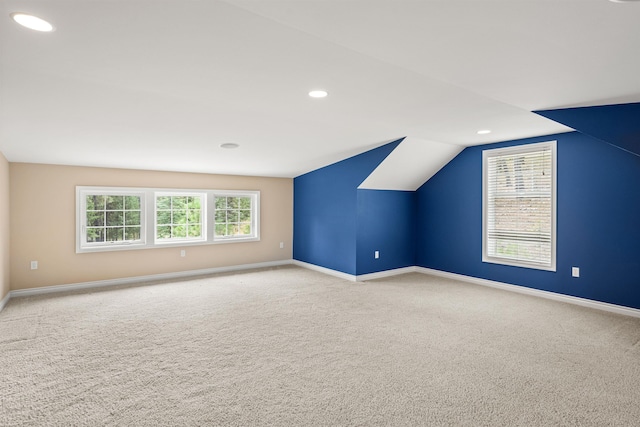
318 93
484 132
623 1
32 22
229 145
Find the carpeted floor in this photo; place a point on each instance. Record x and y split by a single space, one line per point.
288 346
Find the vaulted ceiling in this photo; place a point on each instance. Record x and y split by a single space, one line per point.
162 84
617 124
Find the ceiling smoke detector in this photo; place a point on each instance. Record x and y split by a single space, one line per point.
229 145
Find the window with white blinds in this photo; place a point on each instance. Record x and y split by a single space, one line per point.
519 205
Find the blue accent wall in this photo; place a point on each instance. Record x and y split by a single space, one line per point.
325 218
385 224
617 124
598 221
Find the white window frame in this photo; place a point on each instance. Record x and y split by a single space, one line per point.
255 216
514 150
81 219
203 217
148 218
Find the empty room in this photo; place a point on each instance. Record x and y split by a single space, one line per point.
319 213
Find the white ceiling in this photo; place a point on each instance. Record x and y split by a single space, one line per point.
160 84
413 162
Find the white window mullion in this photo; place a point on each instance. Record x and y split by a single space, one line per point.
178 224
229 216
519 205
150 215
110 215
202 232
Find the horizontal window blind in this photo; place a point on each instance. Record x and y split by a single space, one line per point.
519 207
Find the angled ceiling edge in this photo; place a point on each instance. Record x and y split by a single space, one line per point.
413 162
616 124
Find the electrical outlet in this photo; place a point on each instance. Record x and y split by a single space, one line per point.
281 245
183 253
376 254
575 271
34 265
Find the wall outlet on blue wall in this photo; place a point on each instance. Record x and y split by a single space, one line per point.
575 271
376 254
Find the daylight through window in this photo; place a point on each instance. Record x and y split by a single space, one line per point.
113 218
233 216
179 216
519 205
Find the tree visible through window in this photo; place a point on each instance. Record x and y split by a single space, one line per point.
233 216
179 217
112 218
519 205
127 218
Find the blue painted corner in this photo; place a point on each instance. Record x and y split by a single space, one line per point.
439 226
385 225
326 210
597 223
617 124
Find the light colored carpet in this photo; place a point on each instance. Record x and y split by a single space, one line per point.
289 346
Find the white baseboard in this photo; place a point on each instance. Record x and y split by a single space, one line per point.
5 300
352 277
328 271
141 279
612 308
386 273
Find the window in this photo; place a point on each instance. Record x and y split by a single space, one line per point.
179 217
111 218
116 218
519 206
234 216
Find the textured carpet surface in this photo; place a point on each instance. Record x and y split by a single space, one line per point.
289 346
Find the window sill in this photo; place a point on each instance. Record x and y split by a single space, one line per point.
114 248
513 263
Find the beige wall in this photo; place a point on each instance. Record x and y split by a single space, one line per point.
4 228
43 225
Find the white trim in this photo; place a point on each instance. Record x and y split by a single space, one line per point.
202 195
330 272
142 279
514 150
584 302
5 300
148 218
612 308
386 273
352 277
82 245
255 216
604 306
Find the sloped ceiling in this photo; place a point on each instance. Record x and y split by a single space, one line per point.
618 124
410 164
161 84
